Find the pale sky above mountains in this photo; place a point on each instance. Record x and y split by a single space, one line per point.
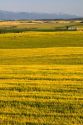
47 6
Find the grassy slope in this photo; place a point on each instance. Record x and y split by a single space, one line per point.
34 90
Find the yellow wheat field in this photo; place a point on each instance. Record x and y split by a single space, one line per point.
41 78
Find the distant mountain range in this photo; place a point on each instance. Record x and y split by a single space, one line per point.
6 15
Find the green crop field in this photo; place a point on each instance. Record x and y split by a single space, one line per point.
41 78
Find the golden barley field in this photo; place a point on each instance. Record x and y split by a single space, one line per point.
41 78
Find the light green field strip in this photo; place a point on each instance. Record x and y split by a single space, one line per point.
41 40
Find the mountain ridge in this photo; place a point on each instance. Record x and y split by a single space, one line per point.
9 15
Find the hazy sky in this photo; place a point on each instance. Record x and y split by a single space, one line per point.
50 6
